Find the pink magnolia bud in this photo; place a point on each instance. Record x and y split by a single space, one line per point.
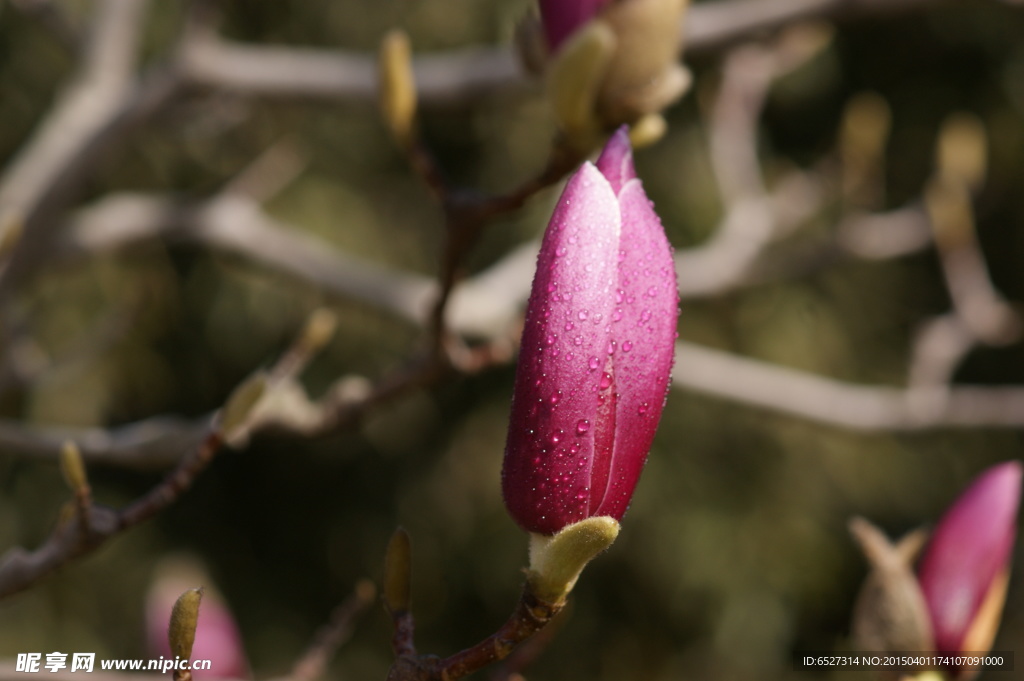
217 638
968 556
562 17
596 352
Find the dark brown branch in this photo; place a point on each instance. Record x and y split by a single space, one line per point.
529 617
20 569
313 663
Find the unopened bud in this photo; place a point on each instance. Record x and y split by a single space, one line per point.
647 130
891 613
319 329
397 572
557 561
397 84
241 404
73 469
575 79
867 120
950 213
184 617
962 150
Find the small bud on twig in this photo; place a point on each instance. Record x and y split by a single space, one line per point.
73 469
240 406
319 329
181 633
397 572
397 85
961 154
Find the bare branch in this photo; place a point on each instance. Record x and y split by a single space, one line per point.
798 393
154 443
313 663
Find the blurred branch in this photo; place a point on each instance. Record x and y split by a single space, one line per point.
824 400
96 97
464 74
20 568
313 663
153 443
716 25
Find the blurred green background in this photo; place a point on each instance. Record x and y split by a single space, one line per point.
735 552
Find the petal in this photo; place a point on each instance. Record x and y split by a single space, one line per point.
971 545
643 330
546 472
616 161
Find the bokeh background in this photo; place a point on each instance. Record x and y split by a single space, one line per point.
735 552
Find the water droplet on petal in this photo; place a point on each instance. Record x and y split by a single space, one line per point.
582 426
594 363
582 315
642 409
606 381
627 346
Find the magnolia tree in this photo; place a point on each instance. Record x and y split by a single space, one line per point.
601 345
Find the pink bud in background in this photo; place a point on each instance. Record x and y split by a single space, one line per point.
596 352
562 17
217 637
968 559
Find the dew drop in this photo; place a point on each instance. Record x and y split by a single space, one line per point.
555 397
642 409
652 291
606 381
560 252
582 426
627 346
611 347
594 363
569 326
582 314
550 340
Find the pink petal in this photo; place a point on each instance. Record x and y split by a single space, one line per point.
971 545
549 454
644 330
616 160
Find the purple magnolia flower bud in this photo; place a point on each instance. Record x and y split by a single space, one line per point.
596 352
562 17
969 556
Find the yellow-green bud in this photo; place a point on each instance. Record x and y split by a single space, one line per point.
184 617
557 561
